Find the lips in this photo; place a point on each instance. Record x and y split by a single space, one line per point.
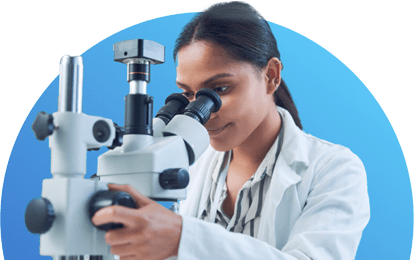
216 130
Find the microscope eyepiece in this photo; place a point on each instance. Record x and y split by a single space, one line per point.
207 102
174 104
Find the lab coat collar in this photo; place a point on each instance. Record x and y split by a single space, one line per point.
293 149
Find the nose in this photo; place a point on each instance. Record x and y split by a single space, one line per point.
213 115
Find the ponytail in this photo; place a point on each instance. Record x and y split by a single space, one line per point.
283 99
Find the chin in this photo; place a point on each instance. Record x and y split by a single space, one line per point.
220 146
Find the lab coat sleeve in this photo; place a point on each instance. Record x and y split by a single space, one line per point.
329 228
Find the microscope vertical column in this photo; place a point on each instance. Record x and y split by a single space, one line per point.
67 144
72 236
70 84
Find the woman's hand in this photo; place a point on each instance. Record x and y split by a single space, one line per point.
149 232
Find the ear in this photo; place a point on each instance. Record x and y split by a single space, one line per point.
273 75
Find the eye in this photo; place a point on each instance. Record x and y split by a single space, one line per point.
221 89
187 95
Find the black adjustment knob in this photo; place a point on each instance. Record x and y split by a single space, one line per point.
175 178
105 198
43 125
39 216
101 131
119 137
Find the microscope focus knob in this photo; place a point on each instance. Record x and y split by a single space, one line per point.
105 198
39 216
175 178
43 125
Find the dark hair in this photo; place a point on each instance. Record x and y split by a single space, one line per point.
244 34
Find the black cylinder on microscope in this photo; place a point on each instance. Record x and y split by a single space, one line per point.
137 71
138 114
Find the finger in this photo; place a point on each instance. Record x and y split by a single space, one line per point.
120 236
116 214
140 199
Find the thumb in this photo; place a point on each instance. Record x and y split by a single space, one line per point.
140 199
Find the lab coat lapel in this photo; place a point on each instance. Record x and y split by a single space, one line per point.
283 178
293 151
200 185
207 184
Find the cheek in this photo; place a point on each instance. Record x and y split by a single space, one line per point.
243 121
232 109
244 109
245 115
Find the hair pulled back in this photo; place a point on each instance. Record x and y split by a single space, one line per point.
244 34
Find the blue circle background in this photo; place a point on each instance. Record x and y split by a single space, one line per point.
334 105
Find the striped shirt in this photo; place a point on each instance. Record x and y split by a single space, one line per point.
250 198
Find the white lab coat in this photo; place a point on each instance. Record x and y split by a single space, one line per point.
316 206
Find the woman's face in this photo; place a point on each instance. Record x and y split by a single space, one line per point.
245 95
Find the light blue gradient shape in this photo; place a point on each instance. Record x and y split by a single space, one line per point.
333 103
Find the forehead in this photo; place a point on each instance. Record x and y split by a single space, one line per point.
203 50
202 60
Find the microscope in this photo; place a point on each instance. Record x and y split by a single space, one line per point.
152 155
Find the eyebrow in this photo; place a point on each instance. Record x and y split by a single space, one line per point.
209 80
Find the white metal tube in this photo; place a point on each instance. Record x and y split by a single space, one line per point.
137 87
70 84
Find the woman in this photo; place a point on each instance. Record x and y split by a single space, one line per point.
271 191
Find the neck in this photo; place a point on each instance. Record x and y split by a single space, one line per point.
253 150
